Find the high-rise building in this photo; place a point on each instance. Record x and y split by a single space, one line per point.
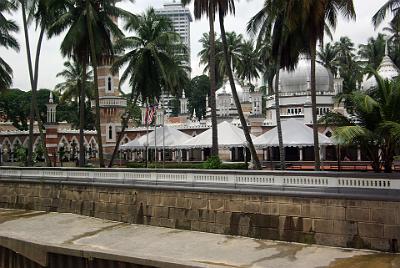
181 18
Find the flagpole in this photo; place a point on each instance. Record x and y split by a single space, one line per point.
147 133
163 136
155 142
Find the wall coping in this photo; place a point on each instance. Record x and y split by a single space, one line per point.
287 183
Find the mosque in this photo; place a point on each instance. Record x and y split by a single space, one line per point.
259 111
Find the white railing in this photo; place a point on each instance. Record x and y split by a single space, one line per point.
113 102
217 178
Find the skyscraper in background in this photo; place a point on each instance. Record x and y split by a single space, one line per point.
181 19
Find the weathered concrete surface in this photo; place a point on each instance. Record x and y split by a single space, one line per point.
163 247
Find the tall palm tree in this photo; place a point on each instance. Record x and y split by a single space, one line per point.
275 24
372 53
41 13
204 56
234 44
76 88
318 15
7 28
208 8
391 6
224 7
70 89
327 56
249 65
155 60
90 27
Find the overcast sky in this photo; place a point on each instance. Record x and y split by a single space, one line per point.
52 62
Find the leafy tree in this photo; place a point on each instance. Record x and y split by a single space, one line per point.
225 7
155 59
274 25
249 65
378 123
319 15
372 53
89 25
14 103
327 56
199 88
391 6
7 28
208 8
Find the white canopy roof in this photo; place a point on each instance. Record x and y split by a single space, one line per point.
294 134
228 136
172 138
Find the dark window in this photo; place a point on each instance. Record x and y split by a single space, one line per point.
110 132
109 84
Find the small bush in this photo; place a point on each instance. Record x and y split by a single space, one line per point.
212 163
241 166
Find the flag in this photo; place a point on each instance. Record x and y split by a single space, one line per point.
150 114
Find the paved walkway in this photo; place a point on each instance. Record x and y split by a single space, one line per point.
164 247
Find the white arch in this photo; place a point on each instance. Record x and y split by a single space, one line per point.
74 139
63 141
26 141
125 138
36 143
15 142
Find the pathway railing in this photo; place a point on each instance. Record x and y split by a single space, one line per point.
218 178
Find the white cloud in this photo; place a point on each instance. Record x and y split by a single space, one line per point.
52 61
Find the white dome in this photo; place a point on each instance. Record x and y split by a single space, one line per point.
299 80
226 89
387 70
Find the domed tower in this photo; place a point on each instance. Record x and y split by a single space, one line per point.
295 91
387 70
112 105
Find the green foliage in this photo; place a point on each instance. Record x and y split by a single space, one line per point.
7 41
153 57
199 88
21 153
232 166
212 163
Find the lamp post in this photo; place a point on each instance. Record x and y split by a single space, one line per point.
1 154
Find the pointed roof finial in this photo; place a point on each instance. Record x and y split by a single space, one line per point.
387 48
51 97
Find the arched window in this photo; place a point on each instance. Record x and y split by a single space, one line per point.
110 132
109 84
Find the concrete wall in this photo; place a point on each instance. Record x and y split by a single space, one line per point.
333 222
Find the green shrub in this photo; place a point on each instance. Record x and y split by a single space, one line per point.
212 163
241 166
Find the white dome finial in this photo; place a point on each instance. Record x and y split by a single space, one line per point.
387 48
51 97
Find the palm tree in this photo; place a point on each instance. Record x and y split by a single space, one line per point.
378 123
391 6
249 65
224 7
40 12
7 27
208 8
204 56
318 15
90 25
155 58
234 47
327 56
275 25
71 89
372 53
